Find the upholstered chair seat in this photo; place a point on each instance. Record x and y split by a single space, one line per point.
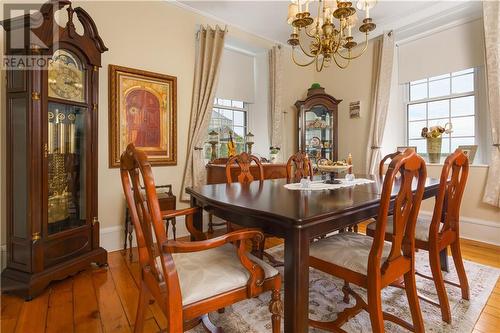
421 229
347 249
212 272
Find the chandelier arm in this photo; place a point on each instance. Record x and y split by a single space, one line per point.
322 64
360 54
341 66
299 64
305 52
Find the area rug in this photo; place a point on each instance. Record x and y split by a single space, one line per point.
325 301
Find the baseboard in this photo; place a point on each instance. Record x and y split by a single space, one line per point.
474 229
113 238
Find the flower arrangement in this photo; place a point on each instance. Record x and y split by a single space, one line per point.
274 150
436 131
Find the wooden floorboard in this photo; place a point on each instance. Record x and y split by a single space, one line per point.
104 300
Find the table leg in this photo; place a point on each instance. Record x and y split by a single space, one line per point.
197 218
443 256
297 281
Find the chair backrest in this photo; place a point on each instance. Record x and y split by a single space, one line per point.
244 161
451 188
145 212
382 162
298 166
412 170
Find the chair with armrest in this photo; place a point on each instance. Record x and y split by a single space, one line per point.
298 166
372 263
190 279
443 230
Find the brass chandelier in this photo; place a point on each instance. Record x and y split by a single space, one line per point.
329 41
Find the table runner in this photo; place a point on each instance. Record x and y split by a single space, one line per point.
319 185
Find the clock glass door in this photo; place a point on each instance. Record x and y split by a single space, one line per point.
67 143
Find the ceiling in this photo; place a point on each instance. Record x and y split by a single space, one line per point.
268 18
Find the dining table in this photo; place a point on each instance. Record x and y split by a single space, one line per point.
297 216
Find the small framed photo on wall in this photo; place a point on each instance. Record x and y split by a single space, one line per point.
469 151
355 110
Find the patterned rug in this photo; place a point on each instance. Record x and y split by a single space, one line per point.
325 300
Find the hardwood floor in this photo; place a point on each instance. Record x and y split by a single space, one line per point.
105 300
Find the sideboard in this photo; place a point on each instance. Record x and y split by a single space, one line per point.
216 173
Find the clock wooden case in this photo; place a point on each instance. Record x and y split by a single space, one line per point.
318 125
52 221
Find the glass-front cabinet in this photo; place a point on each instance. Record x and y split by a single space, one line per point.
53 225
318 125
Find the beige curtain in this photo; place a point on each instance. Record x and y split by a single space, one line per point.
382 71
209 44
491 17
276 107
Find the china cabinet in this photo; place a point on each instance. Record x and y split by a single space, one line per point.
52 221
318 125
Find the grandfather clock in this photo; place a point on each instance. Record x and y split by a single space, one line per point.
52 222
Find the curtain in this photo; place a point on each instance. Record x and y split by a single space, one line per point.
276 107
209 44
491 17
383 64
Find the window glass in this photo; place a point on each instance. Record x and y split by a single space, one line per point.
227 116
417 111
418 91
463 126
415 129
455 142
439 88
462 106
439 109
419 143
462 84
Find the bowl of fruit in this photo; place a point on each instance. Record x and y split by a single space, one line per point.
325 165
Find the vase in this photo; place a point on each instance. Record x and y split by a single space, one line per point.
273 158
434 149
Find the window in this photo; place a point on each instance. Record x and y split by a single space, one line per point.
441 99
228 115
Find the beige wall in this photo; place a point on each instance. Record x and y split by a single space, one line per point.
350 85
159 37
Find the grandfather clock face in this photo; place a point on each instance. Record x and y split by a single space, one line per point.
66 77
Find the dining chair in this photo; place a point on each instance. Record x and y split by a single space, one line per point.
443 230
298 166
244 162
190 279
372 263
387 157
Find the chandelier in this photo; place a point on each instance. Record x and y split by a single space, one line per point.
330 33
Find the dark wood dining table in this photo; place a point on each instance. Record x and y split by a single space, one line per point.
297 216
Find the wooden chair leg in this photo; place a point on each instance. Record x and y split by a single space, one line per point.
375 310
435 264
459 265
276 309
345 291
413 302
141 309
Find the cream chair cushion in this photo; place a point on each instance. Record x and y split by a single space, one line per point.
204 274
347 249
421 229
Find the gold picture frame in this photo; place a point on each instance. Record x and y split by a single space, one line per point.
142 110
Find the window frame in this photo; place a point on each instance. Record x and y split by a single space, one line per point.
476 92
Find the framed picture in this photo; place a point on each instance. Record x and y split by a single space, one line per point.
354 110
142 110
469 151
403 148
